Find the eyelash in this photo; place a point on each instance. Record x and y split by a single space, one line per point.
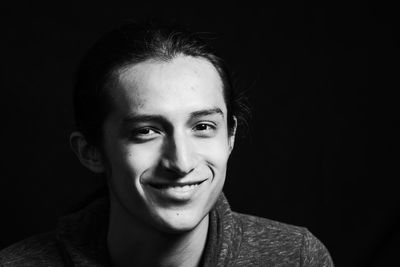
138 133
209 131
209 126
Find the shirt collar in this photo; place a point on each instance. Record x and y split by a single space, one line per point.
83 235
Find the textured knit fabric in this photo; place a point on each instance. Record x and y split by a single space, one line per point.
233 240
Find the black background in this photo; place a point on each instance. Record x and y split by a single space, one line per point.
322 148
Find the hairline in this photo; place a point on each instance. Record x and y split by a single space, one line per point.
113 79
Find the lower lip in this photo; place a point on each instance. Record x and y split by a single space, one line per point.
177 193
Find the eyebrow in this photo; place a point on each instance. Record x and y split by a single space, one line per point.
206 112
161 119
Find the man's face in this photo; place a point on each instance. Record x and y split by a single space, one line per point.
166 142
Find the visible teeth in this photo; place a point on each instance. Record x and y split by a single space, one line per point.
185 187
177 187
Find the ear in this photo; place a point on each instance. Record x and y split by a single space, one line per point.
231 140
87 154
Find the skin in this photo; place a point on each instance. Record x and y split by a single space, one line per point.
168 128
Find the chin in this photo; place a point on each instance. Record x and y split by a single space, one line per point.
177 221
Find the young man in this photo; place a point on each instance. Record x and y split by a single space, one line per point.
156 113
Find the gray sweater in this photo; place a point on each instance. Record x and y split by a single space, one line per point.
234 239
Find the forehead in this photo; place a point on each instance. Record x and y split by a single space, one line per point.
182 84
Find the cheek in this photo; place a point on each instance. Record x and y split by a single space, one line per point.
216 152
136 159
128 161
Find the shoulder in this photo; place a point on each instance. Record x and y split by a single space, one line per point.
38 250
276 243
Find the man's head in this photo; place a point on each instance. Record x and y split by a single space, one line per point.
155 110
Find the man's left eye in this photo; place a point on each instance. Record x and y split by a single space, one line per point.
204 127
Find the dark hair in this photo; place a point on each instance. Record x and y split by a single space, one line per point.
130 44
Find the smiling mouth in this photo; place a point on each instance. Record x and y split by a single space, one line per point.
176 186
176 191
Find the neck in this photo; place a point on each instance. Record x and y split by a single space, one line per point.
131 242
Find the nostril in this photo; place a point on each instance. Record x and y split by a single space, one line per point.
179 170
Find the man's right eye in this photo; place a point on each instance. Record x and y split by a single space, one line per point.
144 133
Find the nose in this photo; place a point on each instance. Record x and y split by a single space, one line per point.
179 156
